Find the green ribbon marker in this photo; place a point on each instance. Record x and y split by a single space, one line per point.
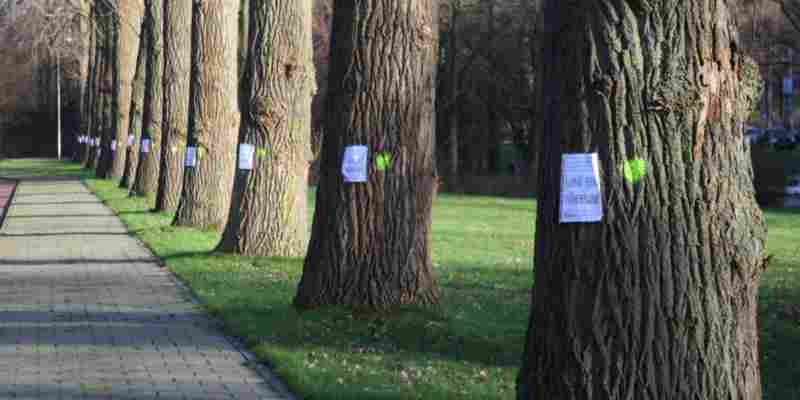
261 153
383 160
200 152
634 170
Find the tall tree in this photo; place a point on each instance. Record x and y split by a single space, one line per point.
177 54
452 80
370 241
109 87
213 115
85 42
87 113
268 213
657 300
135 113
130 16
146 182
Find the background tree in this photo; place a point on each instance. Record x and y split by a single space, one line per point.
135 114
370 241
268 213
109 89
658 300
213 115
147 171
177 54
130 16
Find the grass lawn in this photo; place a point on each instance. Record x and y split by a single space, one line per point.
468 349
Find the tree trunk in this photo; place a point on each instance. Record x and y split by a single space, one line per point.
493 132
85 40
98 103
130 17
109 90
146 183
370 242
536 13
658 299
135 112
213 116
177 53
452 90
268 213
91 85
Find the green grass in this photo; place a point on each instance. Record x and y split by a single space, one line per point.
468 349
40 168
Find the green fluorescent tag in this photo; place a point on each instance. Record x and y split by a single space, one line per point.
261 152
383 160
634 170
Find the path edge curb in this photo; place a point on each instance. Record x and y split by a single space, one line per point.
4 213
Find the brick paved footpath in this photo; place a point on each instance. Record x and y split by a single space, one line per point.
87 313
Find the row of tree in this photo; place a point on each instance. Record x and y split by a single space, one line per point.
655 301
167 77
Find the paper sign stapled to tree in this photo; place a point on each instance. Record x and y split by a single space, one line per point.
581 200
113 145
191 157
246 156
354 164
145 145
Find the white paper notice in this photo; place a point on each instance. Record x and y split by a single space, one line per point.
191 157
113 145
354 164
131 138
580 188
145 145
246 152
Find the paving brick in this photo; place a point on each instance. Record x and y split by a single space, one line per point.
87 313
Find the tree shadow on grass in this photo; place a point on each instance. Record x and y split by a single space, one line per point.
467 327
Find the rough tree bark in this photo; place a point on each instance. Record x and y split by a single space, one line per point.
658 300
177 53
146 183
535 44
268 214
135 112
213 115
130 17
370 242
89 91
85 41
100 74
109 88
452 92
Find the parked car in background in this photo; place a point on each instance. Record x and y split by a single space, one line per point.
752 135
793 188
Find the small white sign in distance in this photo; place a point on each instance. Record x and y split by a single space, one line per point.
145 145
191 157
246 156
354 164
